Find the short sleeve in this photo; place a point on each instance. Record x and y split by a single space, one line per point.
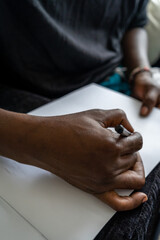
139 18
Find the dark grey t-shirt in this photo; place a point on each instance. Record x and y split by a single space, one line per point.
56 46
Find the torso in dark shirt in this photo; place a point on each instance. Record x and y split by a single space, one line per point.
56 46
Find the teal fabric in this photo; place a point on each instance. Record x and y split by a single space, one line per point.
117 83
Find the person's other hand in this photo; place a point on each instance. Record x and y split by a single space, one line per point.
83 151
147 90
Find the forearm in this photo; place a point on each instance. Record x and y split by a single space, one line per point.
17 136
135 45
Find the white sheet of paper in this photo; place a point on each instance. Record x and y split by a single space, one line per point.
15 227
55 208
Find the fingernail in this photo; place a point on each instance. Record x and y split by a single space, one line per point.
144 199
144 110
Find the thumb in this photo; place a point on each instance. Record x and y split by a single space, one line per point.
149 101
122 203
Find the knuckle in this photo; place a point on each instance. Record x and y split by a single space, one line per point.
121 113
139 140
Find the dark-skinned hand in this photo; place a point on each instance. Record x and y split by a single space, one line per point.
147 89
83 151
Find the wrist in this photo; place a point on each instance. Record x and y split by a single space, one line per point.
138 72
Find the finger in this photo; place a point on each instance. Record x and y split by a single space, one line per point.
138 167
130 144
131 179
122 203
116 117
126 162
149 101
